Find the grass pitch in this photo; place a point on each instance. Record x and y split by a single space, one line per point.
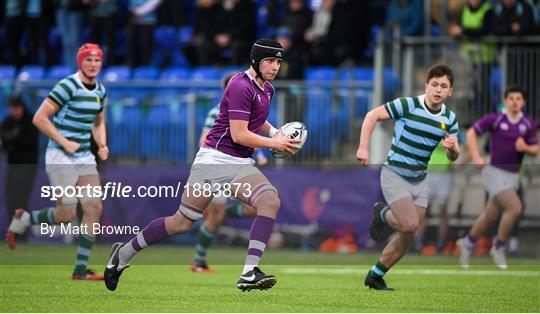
37 279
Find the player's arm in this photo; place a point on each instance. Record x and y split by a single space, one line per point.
528 144
269 129
204 134
378 114
42 121
100 135
523 147
472 147
451 144
242 135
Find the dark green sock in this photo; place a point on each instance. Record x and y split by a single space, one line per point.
44 215
204 240
383 213
236 210
378 270
83 253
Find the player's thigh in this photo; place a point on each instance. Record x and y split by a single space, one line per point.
214 216
203 183
406 213
252 186
90 201
249 211
509 200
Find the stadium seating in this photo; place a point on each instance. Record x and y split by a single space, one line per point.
117 73
31 73
7 72
184 35
146 73
175 73
59 72
320 115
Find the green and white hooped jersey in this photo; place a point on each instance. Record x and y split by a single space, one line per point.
79 108
211 118
416 134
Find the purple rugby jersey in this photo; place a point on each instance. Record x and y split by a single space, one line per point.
244 100
504 134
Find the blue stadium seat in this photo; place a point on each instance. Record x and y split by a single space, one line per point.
7 72
125 133
31 73
165 42
152 141
205 73
59 72
185 34
175 74
146 73
320 116
320 73
391 82
232 69
117 73
179 59
362 95
165 38
495 86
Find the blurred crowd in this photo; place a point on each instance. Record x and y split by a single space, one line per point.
220 32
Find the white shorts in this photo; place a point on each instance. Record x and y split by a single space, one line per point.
64 170
394 188
219 200
440 186
497 180
217 168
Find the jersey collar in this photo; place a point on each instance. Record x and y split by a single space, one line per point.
421 100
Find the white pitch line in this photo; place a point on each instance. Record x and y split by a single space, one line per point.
430 272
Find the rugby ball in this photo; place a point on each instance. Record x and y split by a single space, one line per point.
292 130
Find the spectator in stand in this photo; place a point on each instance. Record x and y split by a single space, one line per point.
20 17
142 21
511 18
205 30
349 45
19 138
330 35
297 20
317 35
70 17
103 26
473 22
172 12
408 14
237 27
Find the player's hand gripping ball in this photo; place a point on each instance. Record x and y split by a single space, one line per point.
292 130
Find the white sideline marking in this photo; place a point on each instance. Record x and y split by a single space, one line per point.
431 272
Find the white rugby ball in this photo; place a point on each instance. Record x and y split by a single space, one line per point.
292 130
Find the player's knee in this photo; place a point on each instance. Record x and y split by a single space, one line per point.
65 214
180 224
410 226
516 210
93 208
269 201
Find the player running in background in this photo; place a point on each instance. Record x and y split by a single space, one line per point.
512 136
421 123
76 104
218 209
225 159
